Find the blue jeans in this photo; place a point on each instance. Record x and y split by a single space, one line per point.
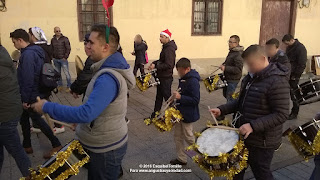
64 65
229 90
9 138
106 166
316 172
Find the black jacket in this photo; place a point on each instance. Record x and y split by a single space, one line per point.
190 96
10 100
79 86
234 64
281 58
264 103
167 60
61 47
48 52
297 54
140 53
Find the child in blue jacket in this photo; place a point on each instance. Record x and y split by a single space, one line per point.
188 104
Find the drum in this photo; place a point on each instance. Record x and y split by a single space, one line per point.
308 92
166 121
63 164
147 80
215 82
306 139
220 152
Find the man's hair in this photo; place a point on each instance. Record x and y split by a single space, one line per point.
273 41
20 33
114 37
253 49
183 63
287 37
236 37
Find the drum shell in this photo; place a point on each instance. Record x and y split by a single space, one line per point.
308 131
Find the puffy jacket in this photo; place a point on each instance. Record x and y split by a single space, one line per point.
234 64
297 54
264 103
79 86
10 100
281 58
61 47
140 53
167 60
29 70
188 105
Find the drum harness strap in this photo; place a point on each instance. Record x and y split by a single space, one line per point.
242 97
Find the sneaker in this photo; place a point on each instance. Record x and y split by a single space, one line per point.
50 153
28 150
57 130
176 161
292 116
35 130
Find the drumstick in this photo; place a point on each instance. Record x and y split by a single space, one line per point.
224 127
62 123
168 104
55 121
215 71
213 116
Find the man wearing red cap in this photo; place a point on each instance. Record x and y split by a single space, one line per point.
164 67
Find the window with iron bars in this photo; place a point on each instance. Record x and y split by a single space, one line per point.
207 17
91 12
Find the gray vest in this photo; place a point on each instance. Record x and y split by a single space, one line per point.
109 130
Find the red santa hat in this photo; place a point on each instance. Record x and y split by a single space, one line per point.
166 33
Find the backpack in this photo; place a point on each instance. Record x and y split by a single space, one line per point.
49 78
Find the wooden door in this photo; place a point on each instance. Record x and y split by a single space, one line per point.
277 19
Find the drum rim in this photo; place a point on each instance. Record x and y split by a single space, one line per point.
308 124
229 152
309 82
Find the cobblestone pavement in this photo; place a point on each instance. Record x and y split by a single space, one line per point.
148 146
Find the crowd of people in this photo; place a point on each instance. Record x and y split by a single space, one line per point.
100 122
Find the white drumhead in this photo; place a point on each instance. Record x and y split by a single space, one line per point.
214 141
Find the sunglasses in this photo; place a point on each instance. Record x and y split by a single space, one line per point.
58 31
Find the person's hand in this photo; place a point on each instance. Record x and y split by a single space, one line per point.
222 67
37 107
176 95
152 66
64 59
246 130
317 117
26 105
216 112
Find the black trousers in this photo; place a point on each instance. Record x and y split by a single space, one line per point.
293 86
163 92
260 161
44 127
136 67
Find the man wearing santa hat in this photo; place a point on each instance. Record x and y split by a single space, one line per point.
164 67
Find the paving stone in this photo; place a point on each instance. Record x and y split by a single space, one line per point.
146 145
